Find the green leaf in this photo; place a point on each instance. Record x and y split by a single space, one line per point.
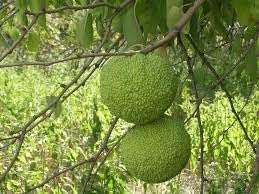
131 28
58 109
237 44
256 10
219 27
69 2
37 5
78 2
84 31
194 27
33 41
42 21
14 33
149 14
99 25
59 3
242 8
171 3
3 43
173 15
251 64
3 13
58 106
21 4
22 18
117 25
161 12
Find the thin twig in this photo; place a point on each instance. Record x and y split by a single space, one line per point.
6 5
93 158
21 37
232 124
223 87
88 187
53 104
171 35
74 8
49 107
10 16
150 48
177 28
103 147
198 113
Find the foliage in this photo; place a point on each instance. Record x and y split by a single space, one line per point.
52 117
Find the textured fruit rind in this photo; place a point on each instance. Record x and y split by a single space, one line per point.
139 88
156 152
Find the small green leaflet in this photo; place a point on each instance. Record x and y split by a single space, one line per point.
237 44
251 63
22 18
242 8
57 108
33 41
131 28
3 44
174 13
256 10
150 15
69 2
14 33
37 5
84 31
171 3
20 4
161 12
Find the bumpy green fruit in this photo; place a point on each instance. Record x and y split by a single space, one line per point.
139 88
157 151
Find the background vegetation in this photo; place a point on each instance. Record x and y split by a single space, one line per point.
56 136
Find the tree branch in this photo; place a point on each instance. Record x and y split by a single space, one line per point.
29 124
6 5
171 35
223 87
232 124
74 8
8 17
21 37
92 159
178 27
91 180
198 113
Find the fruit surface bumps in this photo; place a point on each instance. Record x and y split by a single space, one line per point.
139 88
157 151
